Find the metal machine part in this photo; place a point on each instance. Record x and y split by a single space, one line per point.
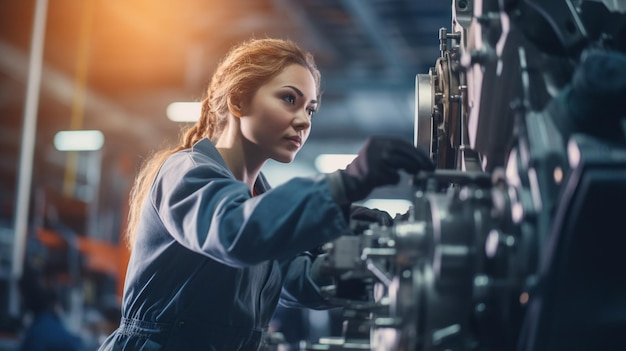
514 242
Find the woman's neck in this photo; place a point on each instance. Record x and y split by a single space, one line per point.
235 151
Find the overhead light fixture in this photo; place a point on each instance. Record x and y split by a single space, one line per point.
391 206
184 111
328 163
79 140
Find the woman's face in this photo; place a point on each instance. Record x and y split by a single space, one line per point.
278 120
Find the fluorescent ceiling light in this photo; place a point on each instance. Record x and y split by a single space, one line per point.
391 206
184 111
79 140
328 163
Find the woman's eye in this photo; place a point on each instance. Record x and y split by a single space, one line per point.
289 99
311 111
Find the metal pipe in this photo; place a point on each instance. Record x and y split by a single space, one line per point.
27 149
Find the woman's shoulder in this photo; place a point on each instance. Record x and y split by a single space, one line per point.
203 155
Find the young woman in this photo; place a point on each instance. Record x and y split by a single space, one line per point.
213 248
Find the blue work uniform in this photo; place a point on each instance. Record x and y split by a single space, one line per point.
211 261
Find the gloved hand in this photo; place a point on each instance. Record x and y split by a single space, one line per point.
362 217
378 163
370 215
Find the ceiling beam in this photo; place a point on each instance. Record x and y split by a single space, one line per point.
363 14
299 17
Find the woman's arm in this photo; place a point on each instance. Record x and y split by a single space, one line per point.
208 211
303 280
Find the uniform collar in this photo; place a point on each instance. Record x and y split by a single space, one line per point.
206 147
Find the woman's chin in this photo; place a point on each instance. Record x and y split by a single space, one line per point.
286 158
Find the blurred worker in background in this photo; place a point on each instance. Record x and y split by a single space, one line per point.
46 330
214 249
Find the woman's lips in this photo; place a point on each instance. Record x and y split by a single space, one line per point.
296 140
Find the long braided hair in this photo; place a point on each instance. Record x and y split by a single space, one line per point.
238 76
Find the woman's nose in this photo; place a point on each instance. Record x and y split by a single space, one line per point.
301 120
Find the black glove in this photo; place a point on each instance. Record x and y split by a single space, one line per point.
378 164
361 218
370 215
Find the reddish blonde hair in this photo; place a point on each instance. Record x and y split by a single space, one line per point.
238 76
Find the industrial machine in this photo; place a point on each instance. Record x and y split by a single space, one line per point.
516 240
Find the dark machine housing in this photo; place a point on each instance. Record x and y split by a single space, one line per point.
516 241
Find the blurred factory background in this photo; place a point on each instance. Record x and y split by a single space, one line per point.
115 66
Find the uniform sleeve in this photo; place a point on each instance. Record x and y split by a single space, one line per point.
303 282
208 211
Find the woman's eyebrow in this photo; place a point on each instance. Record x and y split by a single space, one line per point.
299 92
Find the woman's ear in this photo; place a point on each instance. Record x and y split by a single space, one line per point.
235 106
